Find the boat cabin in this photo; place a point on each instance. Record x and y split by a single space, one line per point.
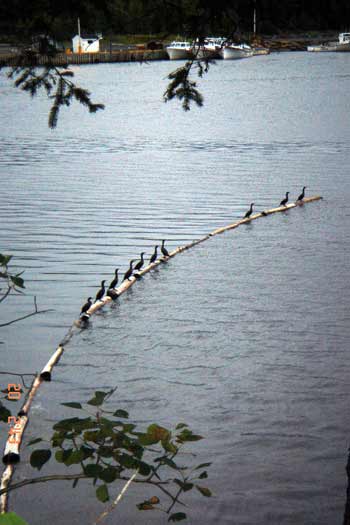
86 43
344 38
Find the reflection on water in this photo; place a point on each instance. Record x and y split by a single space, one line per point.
244 337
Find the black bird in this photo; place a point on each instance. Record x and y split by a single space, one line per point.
164 250
302 195
86 306
139 265
249 212
114 283
154 256
285 200
101 292
128 273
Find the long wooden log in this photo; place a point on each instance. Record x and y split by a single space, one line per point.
127 284
11 454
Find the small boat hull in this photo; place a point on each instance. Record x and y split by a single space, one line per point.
180 50
234 53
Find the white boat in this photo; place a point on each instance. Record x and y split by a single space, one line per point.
210 48
235 51
180 50
343 44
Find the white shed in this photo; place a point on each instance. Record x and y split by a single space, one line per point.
86 43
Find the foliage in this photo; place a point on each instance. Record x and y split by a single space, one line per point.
11 518
8 281
12 283
107 448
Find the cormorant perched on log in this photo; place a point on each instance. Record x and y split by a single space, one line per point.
249 212
302 195
86 306
139 265
128 273
164 250
114 283
154 256
285 200
101 292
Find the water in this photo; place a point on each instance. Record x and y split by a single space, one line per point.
245 336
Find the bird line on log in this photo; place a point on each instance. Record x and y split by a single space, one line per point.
11 454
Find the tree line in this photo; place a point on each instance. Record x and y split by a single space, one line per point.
20 19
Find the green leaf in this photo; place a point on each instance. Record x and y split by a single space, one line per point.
39 457
178 516
17 281
72 405
203 475
102 493
154 434
62 455
183 485
202 465
11 518
98 399
167 461
4 413
180 425
34 441
187 435
92 470
121 413
75 457
204 490
5 259
109 474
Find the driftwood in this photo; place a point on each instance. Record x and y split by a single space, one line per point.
127 284
11 454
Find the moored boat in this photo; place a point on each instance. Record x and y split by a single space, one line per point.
235 51
343 44
210 48
180 50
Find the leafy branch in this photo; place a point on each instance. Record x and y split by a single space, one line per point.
11 283
51 78
109 449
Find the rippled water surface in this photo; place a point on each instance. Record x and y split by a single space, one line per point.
245 337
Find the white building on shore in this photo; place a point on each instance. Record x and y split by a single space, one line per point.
86 43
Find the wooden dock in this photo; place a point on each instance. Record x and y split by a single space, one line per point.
63 59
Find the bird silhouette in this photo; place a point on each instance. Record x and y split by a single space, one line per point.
139 265
164 250
114 283
128 273
249 212
285 200
101 292
86 306
154 256
302 195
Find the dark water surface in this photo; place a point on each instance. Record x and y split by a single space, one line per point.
245 336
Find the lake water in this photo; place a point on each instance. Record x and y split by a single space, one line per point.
244 337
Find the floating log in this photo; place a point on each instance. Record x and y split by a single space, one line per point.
11 454
128 283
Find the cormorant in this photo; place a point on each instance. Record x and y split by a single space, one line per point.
164 250
139 265
86 306
249 212
285 200
154 256
302 195
128 273
114 283
101 292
